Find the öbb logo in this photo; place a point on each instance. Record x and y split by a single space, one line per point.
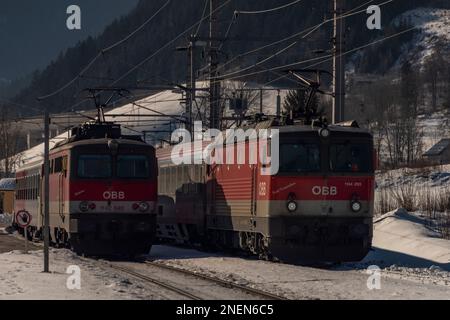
324 191
114 195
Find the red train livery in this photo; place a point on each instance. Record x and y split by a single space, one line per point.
103 192
317 207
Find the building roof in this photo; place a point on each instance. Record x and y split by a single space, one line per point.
8 184
438 148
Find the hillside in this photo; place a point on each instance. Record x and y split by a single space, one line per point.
170 66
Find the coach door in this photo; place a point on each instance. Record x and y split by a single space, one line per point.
254 194
60 170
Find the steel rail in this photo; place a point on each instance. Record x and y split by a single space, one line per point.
221 282
165 285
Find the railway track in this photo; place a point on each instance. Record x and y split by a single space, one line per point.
224 283
180 289
165 285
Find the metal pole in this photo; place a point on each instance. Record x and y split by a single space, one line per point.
26 239
338 63
214 84
193 84
278 105
261 101
46 190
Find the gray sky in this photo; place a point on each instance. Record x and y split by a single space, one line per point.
32 32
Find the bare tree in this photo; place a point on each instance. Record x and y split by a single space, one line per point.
9 143
432 73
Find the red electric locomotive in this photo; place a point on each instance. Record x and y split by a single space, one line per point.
103 192
317 207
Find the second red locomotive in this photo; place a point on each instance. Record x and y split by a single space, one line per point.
317 207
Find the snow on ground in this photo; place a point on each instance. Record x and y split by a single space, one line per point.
414 262
436 176
21 278
5 219
300 282
425 190
403 239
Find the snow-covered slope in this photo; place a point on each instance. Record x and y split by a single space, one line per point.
433 25
403 239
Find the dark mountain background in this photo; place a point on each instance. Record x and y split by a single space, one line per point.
170 66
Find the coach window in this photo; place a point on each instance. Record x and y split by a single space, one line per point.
64 165
163 180
35 189
58 163
38 190
26 187
173 179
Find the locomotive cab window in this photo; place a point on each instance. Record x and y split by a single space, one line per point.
58 165
133 166
94 166
299 157
350 157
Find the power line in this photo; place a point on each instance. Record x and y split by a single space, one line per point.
227 32
203 16
137 66
261 62
142 62
325 57
270 10
304 33
137 30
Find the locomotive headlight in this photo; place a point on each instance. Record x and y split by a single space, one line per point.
83 206
143 206
324 133
356 206
292 206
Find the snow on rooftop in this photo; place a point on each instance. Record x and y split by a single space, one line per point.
7 184
167 102
438 148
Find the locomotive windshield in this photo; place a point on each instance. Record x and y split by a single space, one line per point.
132 167
299 157
99 166
94 166
350 157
